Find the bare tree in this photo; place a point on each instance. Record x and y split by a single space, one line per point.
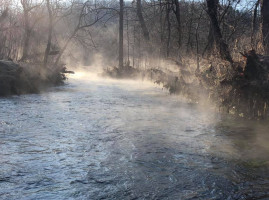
254 23
27 8
210 41
83 23
197 42
265 24
141 19
222 47
177 14
4 14
168 42
45 62
121 34
54 18
189 33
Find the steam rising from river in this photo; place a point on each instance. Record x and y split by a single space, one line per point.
96 137
239 139
94 74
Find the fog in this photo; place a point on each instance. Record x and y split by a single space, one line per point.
134 99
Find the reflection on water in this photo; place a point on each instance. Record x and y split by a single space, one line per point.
103 139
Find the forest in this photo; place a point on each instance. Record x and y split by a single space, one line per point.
134 99
215 50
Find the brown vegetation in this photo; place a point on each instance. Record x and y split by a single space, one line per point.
214 69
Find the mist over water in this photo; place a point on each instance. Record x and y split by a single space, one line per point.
97 138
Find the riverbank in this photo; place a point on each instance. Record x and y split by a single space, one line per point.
240 88
23 78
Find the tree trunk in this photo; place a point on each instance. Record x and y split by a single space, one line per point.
45 62
162 25
134 46
189 41
121 34
168 9
210 42
177 13
254 24
128 39
141 19
27 35
222 47
197 43
3 15
265 24
65 46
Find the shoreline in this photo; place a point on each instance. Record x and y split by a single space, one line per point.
28 78
233 88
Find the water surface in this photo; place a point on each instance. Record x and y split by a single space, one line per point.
103 139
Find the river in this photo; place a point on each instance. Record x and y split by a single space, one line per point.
95 138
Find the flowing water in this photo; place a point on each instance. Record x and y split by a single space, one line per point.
103 139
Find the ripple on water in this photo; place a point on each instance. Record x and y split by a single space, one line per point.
102 140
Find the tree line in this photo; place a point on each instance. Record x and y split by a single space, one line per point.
137 33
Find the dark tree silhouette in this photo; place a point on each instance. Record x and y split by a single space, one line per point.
121 34
141 19
265 24
222 47
45 62
177 14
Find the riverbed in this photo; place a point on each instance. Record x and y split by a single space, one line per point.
96 138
